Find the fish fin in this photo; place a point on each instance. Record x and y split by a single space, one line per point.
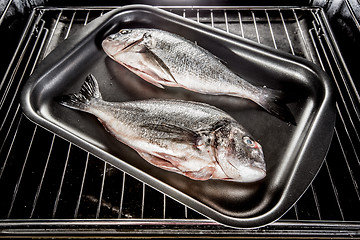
157 71
89 91
273 102
146 77
203 174
153 83
156 62
166 163
175 133
159 162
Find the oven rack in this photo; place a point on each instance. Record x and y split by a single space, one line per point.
49 183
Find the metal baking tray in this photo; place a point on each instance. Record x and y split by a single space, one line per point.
293 153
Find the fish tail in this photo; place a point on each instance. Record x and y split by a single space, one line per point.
273 101
80 101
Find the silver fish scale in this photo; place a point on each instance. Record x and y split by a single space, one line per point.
141 115
189 115
205 66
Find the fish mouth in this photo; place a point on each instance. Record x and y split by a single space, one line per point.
259 165
259 174
108 47
255 171
251 173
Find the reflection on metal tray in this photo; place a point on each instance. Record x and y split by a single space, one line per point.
294 154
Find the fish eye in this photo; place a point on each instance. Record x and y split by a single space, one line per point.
248 141
124 31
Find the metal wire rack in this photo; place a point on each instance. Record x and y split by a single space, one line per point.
49 183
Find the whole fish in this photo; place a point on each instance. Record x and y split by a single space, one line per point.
189 138
164 58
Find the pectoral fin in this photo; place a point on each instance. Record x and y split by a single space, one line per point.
147 77
168 163
203 174
157 66
139 58
159 162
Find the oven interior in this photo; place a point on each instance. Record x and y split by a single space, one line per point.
51 187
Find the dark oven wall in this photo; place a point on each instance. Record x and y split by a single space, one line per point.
344 19
53 187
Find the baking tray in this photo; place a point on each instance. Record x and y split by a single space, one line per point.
293 153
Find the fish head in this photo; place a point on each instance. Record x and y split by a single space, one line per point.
239 155
125 40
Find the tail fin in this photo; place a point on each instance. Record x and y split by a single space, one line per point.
273 102
89 91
